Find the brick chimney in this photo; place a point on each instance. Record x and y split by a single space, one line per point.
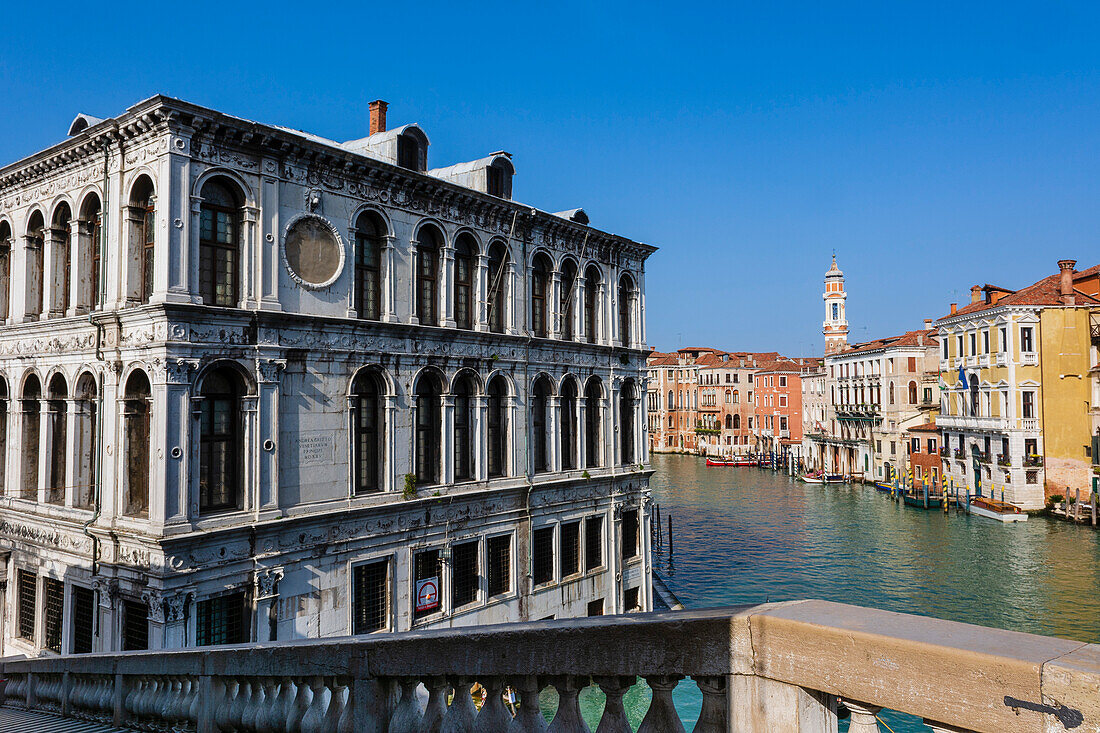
976 294
1065 285
378 116
927 324
954 308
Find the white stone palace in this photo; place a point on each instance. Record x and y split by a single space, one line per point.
260 385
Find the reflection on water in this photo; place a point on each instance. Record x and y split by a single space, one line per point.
746 535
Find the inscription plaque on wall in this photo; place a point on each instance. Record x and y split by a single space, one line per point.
316 449
312 251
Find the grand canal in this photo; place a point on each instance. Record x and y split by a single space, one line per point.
747 535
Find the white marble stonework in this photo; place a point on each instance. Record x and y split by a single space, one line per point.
80 376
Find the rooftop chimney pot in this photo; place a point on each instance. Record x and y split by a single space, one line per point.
1065 285
927 324
378 116
976 294
954 308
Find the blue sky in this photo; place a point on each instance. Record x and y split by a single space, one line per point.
932 146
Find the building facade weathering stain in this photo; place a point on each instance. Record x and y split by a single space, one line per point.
256 384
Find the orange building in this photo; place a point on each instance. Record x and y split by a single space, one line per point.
778 406
924 455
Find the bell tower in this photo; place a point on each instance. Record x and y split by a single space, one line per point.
835 326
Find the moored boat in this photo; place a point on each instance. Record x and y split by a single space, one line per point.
712 462
935 501
813 479
999 510
882 486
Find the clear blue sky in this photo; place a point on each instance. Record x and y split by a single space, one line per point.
933 145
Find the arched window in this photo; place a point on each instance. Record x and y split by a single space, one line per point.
465 267
5 270
729 422
89 251
31 405
367 430
912 393
220 444
142 222
540 398
369 234
408 152
429 242
593 393
136 411
626 308
219 244
35 244
591 304
58 418
498 427
568 295
85 439
736 422
464 428
498 266
671 400
429 428
62 232
540 286
973 396
569 425
735 396
626 422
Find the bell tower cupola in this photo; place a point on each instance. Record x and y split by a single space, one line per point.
835 326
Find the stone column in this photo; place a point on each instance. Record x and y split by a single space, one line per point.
510 458
174 421
511 301
582 439
614 451
175 614
481 318
447 440
480 428
603 305
268 439
414 297
157 619
553 305
446 277
72 476
553 433
270 264
192 247
578 309
389 470
31 294
45 439
264 625
389 280
864 718
130 254
79 237
251 270
54 273
250 447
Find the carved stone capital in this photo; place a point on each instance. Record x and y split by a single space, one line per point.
268 369
266 580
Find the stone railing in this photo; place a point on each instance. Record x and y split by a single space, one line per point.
774 667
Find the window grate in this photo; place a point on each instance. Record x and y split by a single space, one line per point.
222 620
426 565
500 565
83 619
630 534
135 626
464 578
570 548
542 556
371 585
593 543
53 592
28 597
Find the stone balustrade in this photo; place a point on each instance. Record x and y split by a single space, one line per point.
773 667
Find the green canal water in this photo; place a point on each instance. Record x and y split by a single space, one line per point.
748 535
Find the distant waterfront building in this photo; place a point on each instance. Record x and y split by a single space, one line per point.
815 408
1019 373
673 388
256 384
925 466
727 407
778 406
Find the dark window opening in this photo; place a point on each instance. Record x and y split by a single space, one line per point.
428 429
369 235
426 566
631 600
593 543
591 310
464 430
626 304
408 152
592 396
538 425
28 597
222 620
219 245
32 393
464 577
494 181
630 534
542 556
371 589
427 277
595 608
497 428
367 421
498 264
464 283
569 426
148 230
570 548
136 427
568 295
135 626
83 619
540 285
219 442
53 593
500 565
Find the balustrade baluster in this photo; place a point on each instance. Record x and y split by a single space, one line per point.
346 721
944 728
714 715
568 718
462 711
407 713
298 706
336 703
661 716
194 707
254 703
314 718
863 718
278 714
528 718
161 701
223 693
240 704
614 718
494 716
263 721
181 699
132 693
436 709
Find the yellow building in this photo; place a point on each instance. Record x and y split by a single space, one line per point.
1018 408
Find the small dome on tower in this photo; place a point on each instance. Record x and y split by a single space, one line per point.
834 270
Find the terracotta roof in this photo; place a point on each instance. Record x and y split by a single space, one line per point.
1045 292
928 427
909 338
782 364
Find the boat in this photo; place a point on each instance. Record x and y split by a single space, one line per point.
836 478
935 501
882 486
824 478
999 510
813 479
712 462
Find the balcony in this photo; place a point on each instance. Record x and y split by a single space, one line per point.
1033 461
965 422
1001 359
1029 358
1029 423
983 360
1004 461
774 667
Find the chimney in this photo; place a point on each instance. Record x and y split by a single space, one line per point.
378 116
927 324
954 308
976 294
1065 286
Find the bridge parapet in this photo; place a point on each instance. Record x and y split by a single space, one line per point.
772 667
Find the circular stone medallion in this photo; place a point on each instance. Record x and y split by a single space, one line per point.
313 251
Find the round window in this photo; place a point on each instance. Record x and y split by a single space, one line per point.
313 252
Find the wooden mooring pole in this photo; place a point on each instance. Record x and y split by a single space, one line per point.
670 535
